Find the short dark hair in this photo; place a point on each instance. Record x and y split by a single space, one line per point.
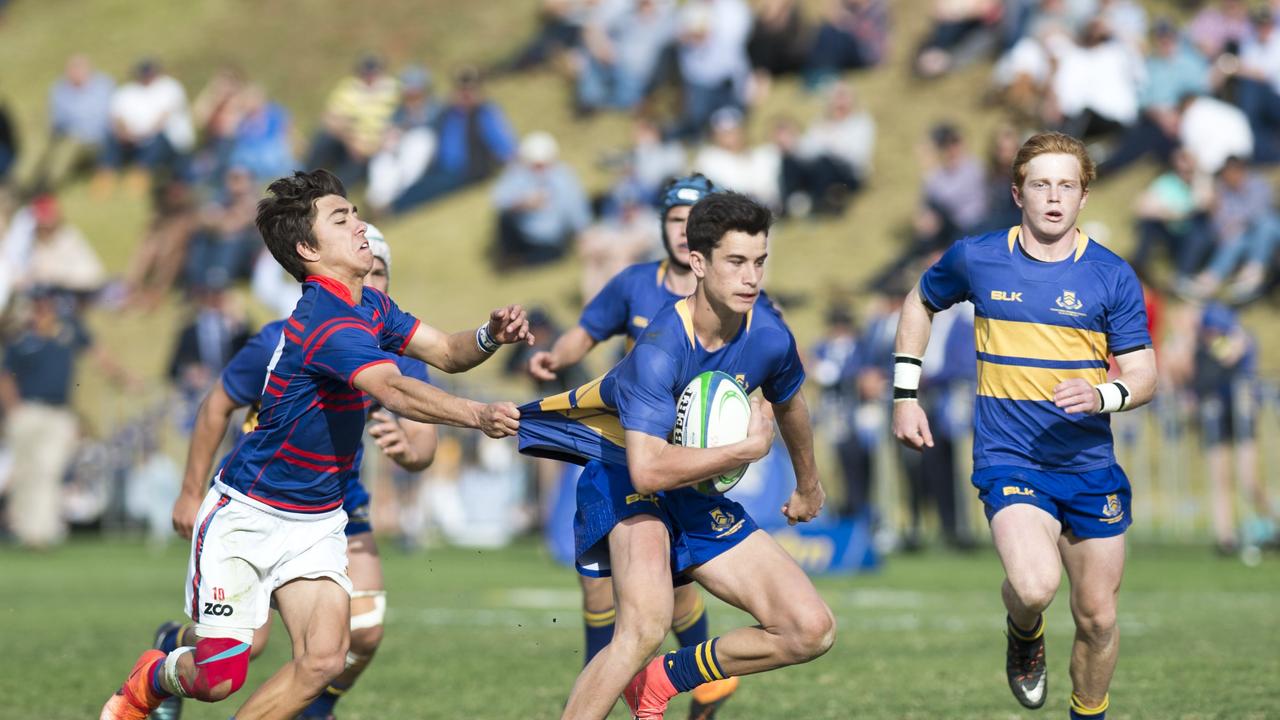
285 218
720 213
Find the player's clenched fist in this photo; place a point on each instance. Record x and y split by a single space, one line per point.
543 366
805 505
184 514
910 425
499 419
510 325
1077 396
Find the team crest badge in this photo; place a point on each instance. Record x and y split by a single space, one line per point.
1068 300
721 520
1112 508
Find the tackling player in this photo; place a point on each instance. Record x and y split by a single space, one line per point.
626 305
638 517
411 445
271 528
1050 306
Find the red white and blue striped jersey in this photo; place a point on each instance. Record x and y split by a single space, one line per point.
307 442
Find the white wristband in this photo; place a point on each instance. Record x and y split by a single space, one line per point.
906 376
485 341
1114 395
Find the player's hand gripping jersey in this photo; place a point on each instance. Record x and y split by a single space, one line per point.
305 451
640 393
1036 325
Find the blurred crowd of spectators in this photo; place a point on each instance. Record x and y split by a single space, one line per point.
1201 97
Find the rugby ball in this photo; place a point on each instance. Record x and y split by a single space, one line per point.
712 411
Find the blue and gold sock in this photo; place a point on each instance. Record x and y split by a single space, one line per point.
1026 635
171 639
322 706
1080 711
689 667
599 631
692 628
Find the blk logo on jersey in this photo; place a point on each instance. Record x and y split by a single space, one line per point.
1006 296
1013 490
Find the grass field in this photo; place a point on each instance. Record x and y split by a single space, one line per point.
496 634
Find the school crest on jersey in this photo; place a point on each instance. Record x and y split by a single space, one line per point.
1068 300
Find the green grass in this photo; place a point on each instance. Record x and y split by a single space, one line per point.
496 634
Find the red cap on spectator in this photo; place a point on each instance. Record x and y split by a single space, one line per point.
45 209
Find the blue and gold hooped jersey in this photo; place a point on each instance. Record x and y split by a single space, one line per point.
1037 324
640 393
628 302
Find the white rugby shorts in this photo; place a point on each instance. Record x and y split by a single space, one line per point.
240 554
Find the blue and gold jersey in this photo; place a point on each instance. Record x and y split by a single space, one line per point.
627 303
640 393
1037 324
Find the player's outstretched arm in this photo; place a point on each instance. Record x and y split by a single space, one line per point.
568 350
1135 387
910 425
211 426
409 444
657 465
797 432
425 403
464 350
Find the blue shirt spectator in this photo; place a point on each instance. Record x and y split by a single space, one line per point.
1174 69
542 202
80 102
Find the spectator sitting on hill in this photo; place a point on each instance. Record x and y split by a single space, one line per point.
955 198
1173 212
1174 70
650 161
1002 211
1257 85
541 205
263 139
622 46
473 141
79 122
559 33
41 249
960 30
1095 84
1213 131
1248 229
410 142
161 255
150 124
1221 26
854 34
712 54
216 112
832 159
215 332
356 117
222 250
728 162
627 233
781 38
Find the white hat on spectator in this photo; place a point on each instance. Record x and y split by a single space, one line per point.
539 148
378 245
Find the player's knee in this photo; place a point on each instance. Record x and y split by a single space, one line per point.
1035 592
318 668
641 636
811 634
1095 620
221 665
